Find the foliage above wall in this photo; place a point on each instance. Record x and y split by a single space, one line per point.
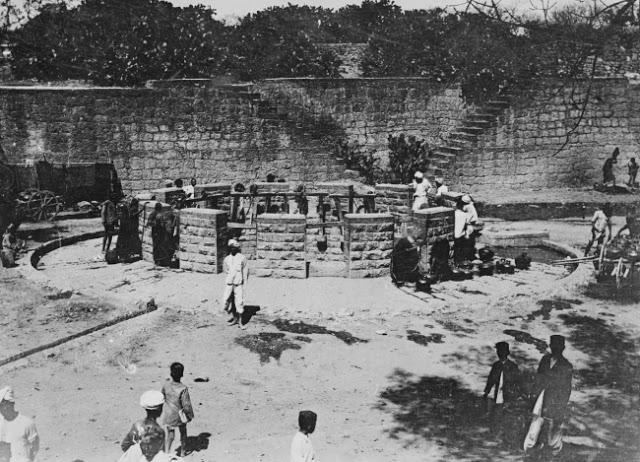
482 47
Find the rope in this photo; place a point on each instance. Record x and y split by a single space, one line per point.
104 325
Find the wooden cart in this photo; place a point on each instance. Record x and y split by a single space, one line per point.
620 271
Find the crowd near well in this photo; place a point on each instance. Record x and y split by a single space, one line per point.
298 177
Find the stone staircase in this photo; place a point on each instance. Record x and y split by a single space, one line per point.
465 137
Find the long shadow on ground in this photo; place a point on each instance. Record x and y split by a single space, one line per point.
441 410
610 415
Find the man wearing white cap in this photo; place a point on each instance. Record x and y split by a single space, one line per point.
17 430
237 270
152 402
420 187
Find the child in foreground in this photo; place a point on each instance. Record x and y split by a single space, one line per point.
177 411
301 447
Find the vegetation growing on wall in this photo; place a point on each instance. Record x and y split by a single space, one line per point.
406 155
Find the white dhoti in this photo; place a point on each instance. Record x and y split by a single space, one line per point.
418 201
235 290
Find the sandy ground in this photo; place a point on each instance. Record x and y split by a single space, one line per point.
393 377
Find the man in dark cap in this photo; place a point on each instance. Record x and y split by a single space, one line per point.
554 378
301 447
504 379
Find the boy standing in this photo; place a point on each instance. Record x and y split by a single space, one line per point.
18 430
177 410
237 270
504 379
301 447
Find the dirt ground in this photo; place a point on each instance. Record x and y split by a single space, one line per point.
392 376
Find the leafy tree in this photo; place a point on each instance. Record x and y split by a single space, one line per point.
273 43
121 42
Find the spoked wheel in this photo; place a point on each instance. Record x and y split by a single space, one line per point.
49 206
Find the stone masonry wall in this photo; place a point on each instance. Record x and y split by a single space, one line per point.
198 128
281 246
203 240
368 110
369 244
432 224
397 200
548 138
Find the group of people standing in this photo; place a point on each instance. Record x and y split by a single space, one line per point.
423 190
546 400
608 176
151 438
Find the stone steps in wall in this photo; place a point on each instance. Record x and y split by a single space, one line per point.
463 136
453 150
472 130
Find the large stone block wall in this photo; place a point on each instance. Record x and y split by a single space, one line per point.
219 132
545 138
203 240
369 244
368 110
281 246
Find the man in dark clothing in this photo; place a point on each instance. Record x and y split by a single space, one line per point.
504 379
608 178
405 260
109 221
554 377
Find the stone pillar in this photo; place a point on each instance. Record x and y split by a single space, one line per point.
369 244
431 224
203 240
397 200
280 248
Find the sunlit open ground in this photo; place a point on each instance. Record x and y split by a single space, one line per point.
412 394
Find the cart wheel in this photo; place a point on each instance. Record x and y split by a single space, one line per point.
31 204
49 205
7 179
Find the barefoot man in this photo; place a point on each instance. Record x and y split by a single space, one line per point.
237 270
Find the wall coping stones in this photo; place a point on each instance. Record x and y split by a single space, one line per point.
281 217
264 186
368 217
432 211
165 190
196 212
394 187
